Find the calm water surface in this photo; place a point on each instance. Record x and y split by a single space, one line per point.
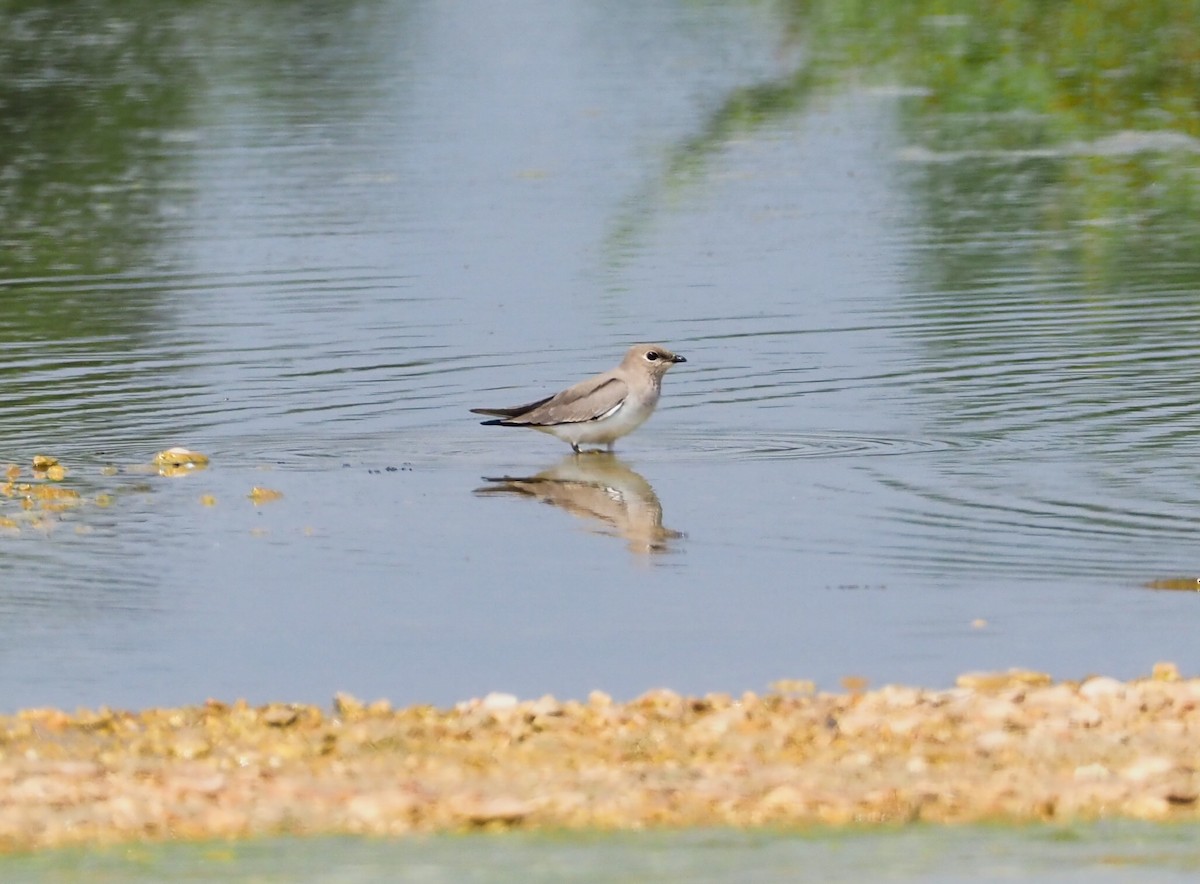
305 239
1107 853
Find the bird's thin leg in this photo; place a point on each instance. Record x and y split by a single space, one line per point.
612 446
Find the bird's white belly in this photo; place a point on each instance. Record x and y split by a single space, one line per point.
623 420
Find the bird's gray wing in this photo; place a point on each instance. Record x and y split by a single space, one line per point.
511 412
586 401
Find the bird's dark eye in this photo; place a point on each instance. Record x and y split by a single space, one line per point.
652 356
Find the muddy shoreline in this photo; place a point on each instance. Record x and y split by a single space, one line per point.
1010 746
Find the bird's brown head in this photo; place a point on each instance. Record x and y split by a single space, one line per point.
654 358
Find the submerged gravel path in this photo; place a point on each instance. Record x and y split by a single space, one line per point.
1006 746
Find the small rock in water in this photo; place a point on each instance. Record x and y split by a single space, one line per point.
498 702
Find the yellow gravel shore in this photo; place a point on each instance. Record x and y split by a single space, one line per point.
1006 746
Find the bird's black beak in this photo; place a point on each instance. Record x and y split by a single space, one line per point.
678 358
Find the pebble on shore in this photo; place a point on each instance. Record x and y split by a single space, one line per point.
1011 746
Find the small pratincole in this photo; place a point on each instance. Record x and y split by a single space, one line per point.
600 410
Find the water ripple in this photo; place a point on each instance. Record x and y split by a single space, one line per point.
793 446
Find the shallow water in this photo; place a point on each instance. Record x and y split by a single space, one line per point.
926 425
1126 852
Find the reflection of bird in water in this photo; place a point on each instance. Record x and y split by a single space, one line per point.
597 486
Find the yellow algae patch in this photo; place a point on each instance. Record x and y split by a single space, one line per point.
47 498
854 684
1177 584
43 495
172 472
208 500
997 681
264 495
52 492
179 461
1165 672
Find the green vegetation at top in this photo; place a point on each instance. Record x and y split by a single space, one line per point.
1090 66
1079 119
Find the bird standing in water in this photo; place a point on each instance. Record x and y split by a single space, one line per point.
600 410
